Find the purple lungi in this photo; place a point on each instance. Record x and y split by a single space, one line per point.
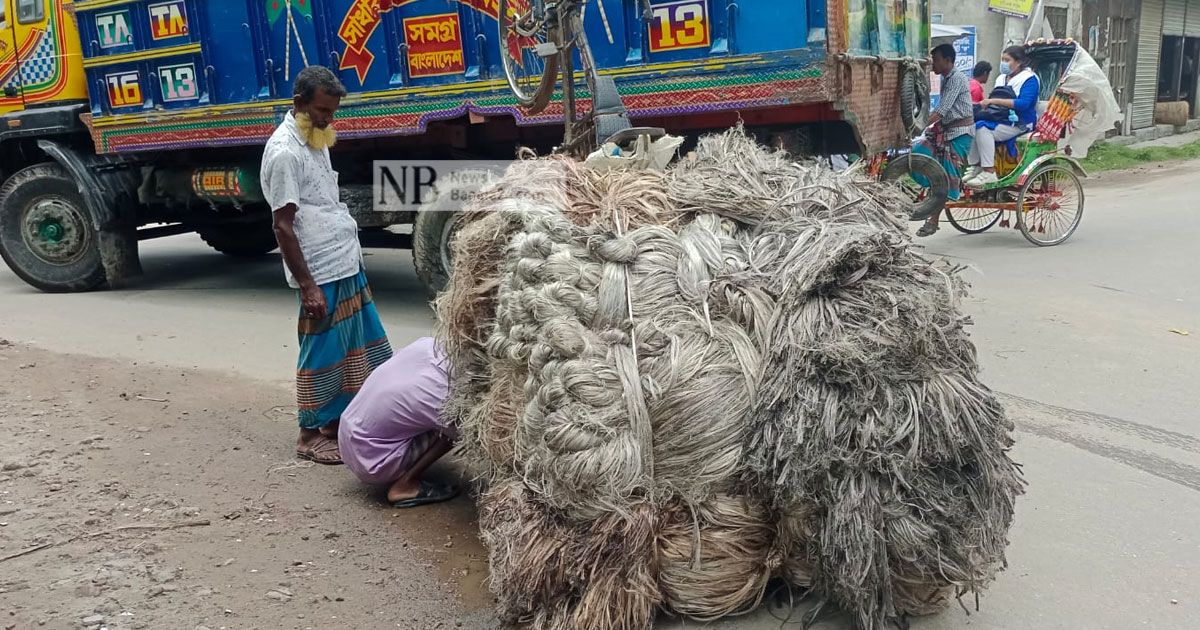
397 414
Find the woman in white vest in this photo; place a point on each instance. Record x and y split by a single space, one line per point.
1015 73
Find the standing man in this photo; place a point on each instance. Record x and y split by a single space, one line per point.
341 337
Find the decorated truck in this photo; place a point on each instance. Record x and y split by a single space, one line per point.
126 120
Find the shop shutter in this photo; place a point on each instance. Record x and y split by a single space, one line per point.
1192 24
1174 17
1145 82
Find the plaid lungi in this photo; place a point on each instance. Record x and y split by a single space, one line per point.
339 352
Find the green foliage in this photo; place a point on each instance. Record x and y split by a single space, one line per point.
1110 157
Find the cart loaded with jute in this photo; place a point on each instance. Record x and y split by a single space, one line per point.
681 386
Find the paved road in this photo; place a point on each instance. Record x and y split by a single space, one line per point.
1078 338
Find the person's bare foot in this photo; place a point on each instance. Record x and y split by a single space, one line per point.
314 446
404 488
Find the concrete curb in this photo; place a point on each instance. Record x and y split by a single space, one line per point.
1156 132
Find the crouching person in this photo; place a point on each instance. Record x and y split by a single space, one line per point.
392 432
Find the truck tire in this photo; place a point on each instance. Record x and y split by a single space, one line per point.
241 240
436 224
432 233
914 99
46 232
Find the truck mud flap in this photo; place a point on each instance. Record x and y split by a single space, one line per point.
108 186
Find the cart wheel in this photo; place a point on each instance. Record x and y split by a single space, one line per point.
972 220
1050 205
926 200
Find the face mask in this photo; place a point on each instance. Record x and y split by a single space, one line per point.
1005 68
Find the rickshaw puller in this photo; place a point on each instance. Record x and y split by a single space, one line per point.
951 129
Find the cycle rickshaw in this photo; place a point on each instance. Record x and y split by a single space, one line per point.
1040 185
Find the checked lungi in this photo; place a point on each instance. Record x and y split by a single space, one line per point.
337 353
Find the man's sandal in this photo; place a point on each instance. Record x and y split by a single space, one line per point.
428 494
318 452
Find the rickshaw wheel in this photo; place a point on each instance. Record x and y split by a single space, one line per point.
972 220
926 200
1050 206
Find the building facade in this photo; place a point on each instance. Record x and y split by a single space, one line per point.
1151 51
995 32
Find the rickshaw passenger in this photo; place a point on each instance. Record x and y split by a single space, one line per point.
979 77
1016 74
954 116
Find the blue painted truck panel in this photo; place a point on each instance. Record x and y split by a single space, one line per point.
250 51
196 73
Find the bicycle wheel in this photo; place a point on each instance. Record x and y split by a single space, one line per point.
1050 207
531 77
971 220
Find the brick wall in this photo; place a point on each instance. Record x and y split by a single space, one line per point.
870 102
866 93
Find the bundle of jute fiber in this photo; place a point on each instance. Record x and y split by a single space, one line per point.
677 386
870 374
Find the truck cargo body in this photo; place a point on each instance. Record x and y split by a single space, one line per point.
158 108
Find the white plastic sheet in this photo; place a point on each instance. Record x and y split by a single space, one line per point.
654 155
1100 112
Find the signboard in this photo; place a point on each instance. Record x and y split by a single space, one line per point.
679 25
124 89
964 61
178 83
434 45
168 19
965 50
362 20
1014 8
112 29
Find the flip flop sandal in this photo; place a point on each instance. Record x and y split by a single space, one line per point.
428 494
322 446
927 230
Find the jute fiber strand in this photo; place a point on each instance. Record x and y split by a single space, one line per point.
679 386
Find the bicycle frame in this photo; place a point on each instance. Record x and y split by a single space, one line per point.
560 22
570 37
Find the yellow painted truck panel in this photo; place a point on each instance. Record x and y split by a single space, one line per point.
41 60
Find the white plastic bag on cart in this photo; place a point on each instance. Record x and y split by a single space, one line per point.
1100 111
654 155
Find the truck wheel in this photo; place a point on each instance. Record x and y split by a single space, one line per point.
244 240
433 232
46 233
436 224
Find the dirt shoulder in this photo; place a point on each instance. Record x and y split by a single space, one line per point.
135 496
1141 174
